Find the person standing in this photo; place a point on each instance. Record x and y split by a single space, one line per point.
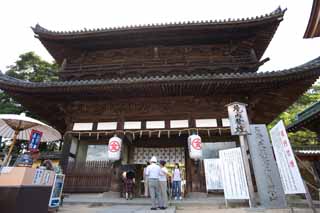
163 203
129 184
123 181
145 179
48 164
153 173
176 185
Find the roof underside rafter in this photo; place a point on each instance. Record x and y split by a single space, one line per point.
313 28
282 87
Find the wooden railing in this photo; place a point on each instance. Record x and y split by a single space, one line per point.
90 176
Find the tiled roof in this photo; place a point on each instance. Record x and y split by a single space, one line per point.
308 115
311 68
307 150
276 13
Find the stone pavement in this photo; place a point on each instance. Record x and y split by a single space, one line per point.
106 203
112 209
209 209
102 199
216 201
81 208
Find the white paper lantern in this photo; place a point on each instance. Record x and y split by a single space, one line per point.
114 148
195 147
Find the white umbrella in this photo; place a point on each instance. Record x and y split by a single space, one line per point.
20 127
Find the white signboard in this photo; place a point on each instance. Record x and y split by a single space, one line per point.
239 123
38 175
213 174
5 170
56 192
46 177
288 167
233 174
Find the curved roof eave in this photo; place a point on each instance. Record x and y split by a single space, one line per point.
304 71
313 28
274 15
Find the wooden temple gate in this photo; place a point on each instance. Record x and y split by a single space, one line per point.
182 71
90 176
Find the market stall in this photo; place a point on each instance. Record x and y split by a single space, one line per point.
24 189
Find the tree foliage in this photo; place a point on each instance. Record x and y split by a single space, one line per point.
9 106
29 67
303 136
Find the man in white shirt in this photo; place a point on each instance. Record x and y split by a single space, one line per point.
145 179
153 173
163 185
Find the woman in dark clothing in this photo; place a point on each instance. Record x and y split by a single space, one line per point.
129 184
123 181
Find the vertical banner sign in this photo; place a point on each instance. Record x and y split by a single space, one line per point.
288 167
268 181
213 174
233 175
55 197
239 123
38 175
35 139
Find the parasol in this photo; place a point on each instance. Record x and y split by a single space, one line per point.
19 127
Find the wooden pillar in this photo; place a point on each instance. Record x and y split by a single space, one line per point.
115 177
67 140
244 151
195 177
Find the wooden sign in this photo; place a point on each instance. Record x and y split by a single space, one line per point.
239 123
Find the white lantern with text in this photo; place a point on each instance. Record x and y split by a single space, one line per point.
114 148
195 147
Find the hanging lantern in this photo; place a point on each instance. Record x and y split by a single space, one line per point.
195 147
114 148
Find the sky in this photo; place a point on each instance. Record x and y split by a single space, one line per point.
287 49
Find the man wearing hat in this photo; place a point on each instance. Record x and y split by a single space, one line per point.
153 173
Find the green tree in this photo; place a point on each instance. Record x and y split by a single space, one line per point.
303 136
8 105
29 67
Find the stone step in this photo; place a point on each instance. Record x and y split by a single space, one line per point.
113 209
134 209
214 202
